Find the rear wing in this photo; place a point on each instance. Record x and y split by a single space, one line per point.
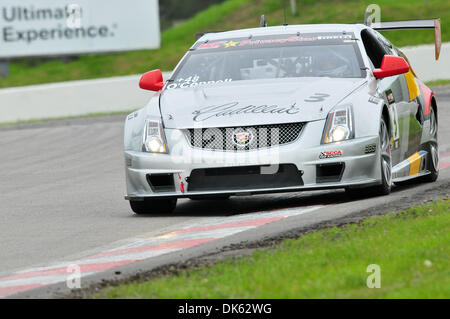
412 24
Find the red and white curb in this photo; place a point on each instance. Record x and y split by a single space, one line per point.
145 247
444 160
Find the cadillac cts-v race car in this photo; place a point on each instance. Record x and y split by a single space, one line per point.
280 109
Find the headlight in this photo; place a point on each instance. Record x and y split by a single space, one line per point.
339 125
154 140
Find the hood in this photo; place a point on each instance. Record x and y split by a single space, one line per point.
259 102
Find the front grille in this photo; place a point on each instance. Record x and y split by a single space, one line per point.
260 136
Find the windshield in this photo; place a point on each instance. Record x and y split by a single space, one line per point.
335 56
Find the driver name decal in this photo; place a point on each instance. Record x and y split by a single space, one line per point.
235 108
193 82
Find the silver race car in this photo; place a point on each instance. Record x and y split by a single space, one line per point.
281 109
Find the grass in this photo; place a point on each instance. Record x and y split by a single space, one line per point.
412 248
438 83
232 14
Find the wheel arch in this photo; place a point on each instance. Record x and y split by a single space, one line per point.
434 107
428 97
387 118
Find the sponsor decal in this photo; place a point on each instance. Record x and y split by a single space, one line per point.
330 154
235 108
230 44
242 138
390 96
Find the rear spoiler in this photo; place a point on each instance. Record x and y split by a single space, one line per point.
388 26
412 24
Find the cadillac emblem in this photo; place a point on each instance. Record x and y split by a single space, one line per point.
242 138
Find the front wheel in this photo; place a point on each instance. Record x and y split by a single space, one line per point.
154 206
386 168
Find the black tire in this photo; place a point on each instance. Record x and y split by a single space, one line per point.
386 169
434 151
154 206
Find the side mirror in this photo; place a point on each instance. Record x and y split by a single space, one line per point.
152 81
390 66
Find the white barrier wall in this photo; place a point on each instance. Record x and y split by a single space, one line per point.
123 93
424 64
72 98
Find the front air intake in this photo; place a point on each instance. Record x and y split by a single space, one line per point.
161 182
329 173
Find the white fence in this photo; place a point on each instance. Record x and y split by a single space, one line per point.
424 64
123 93
72 98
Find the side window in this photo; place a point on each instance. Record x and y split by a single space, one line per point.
374 48
388 47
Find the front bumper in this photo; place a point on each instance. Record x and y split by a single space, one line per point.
359 158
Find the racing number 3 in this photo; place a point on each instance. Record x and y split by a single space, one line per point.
317 97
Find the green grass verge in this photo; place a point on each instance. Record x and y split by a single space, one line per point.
438 83
412 249
232 14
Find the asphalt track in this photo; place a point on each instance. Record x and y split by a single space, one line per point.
62 187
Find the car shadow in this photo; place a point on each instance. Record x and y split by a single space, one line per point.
237 205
